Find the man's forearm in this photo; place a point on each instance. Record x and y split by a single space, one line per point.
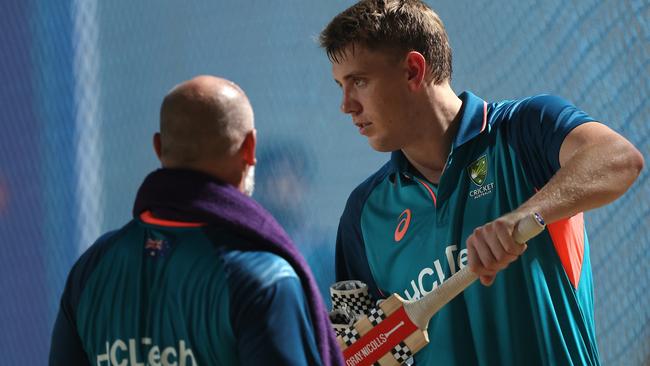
596 174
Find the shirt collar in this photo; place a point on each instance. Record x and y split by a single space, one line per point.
473 121
473 118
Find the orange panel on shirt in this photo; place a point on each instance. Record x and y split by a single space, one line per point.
568 237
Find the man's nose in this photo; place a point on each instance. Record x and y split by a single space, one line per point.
350 105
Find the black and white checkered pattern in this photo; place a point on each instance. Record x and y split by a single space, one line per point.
401 353
339 318
350 335
358 303
376 316
339 331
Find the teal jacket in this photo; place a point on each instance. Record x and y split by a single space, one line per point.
165 293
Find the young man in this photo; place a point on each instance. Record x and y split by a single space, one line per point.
202 275
462 173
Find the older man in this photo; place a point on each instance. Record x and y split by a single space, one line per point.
202 274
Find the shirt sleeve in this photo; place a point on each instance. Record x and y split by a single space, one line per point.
66 348
270 317
351 261
537 126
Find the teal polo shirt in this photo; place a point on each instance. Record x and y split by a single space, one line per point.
401 234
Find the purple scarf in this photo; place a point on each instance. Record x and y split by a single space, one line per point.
191 196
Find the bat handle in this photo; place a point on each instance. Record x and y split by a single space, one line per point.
528 228
422 310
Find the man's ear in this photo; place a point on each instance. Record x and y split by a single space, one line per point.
416 66
247 149
157 145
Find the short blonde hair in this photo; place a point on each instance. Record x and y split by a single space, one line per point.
397 26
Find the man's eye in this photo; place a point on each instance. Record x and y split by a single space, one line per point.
359 82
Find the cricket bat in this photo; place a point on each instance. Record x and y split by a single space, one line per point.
396 330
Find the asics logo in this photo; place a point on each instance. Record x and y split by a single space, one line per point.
402 225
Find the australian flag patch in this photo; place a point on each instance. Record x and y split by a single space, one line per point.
156 247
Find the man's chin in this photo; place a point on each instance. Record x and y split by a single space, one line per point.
381 146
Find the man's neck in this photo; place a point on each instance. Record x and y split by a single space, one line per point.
227 170
438 125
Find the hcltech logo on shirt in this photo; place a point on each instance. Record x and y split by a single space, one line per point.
430 278
121 353
478 171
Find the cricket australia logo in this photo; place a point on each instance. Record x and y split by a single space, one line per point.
478 171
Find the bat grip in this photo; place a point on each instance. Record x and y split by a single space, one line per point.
422 310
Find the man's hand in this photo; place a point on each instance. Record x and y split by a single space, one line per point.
492 248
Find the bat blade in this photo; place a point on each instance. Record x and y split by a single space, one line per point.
387 336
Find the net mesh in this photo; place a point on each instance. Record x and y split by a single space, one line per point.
81 83
596 54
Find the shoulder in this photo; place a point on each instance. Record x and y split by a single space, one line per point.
88 262
541 106
544 104
255 270
244 267
93 255
360 194
100 246
258 284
